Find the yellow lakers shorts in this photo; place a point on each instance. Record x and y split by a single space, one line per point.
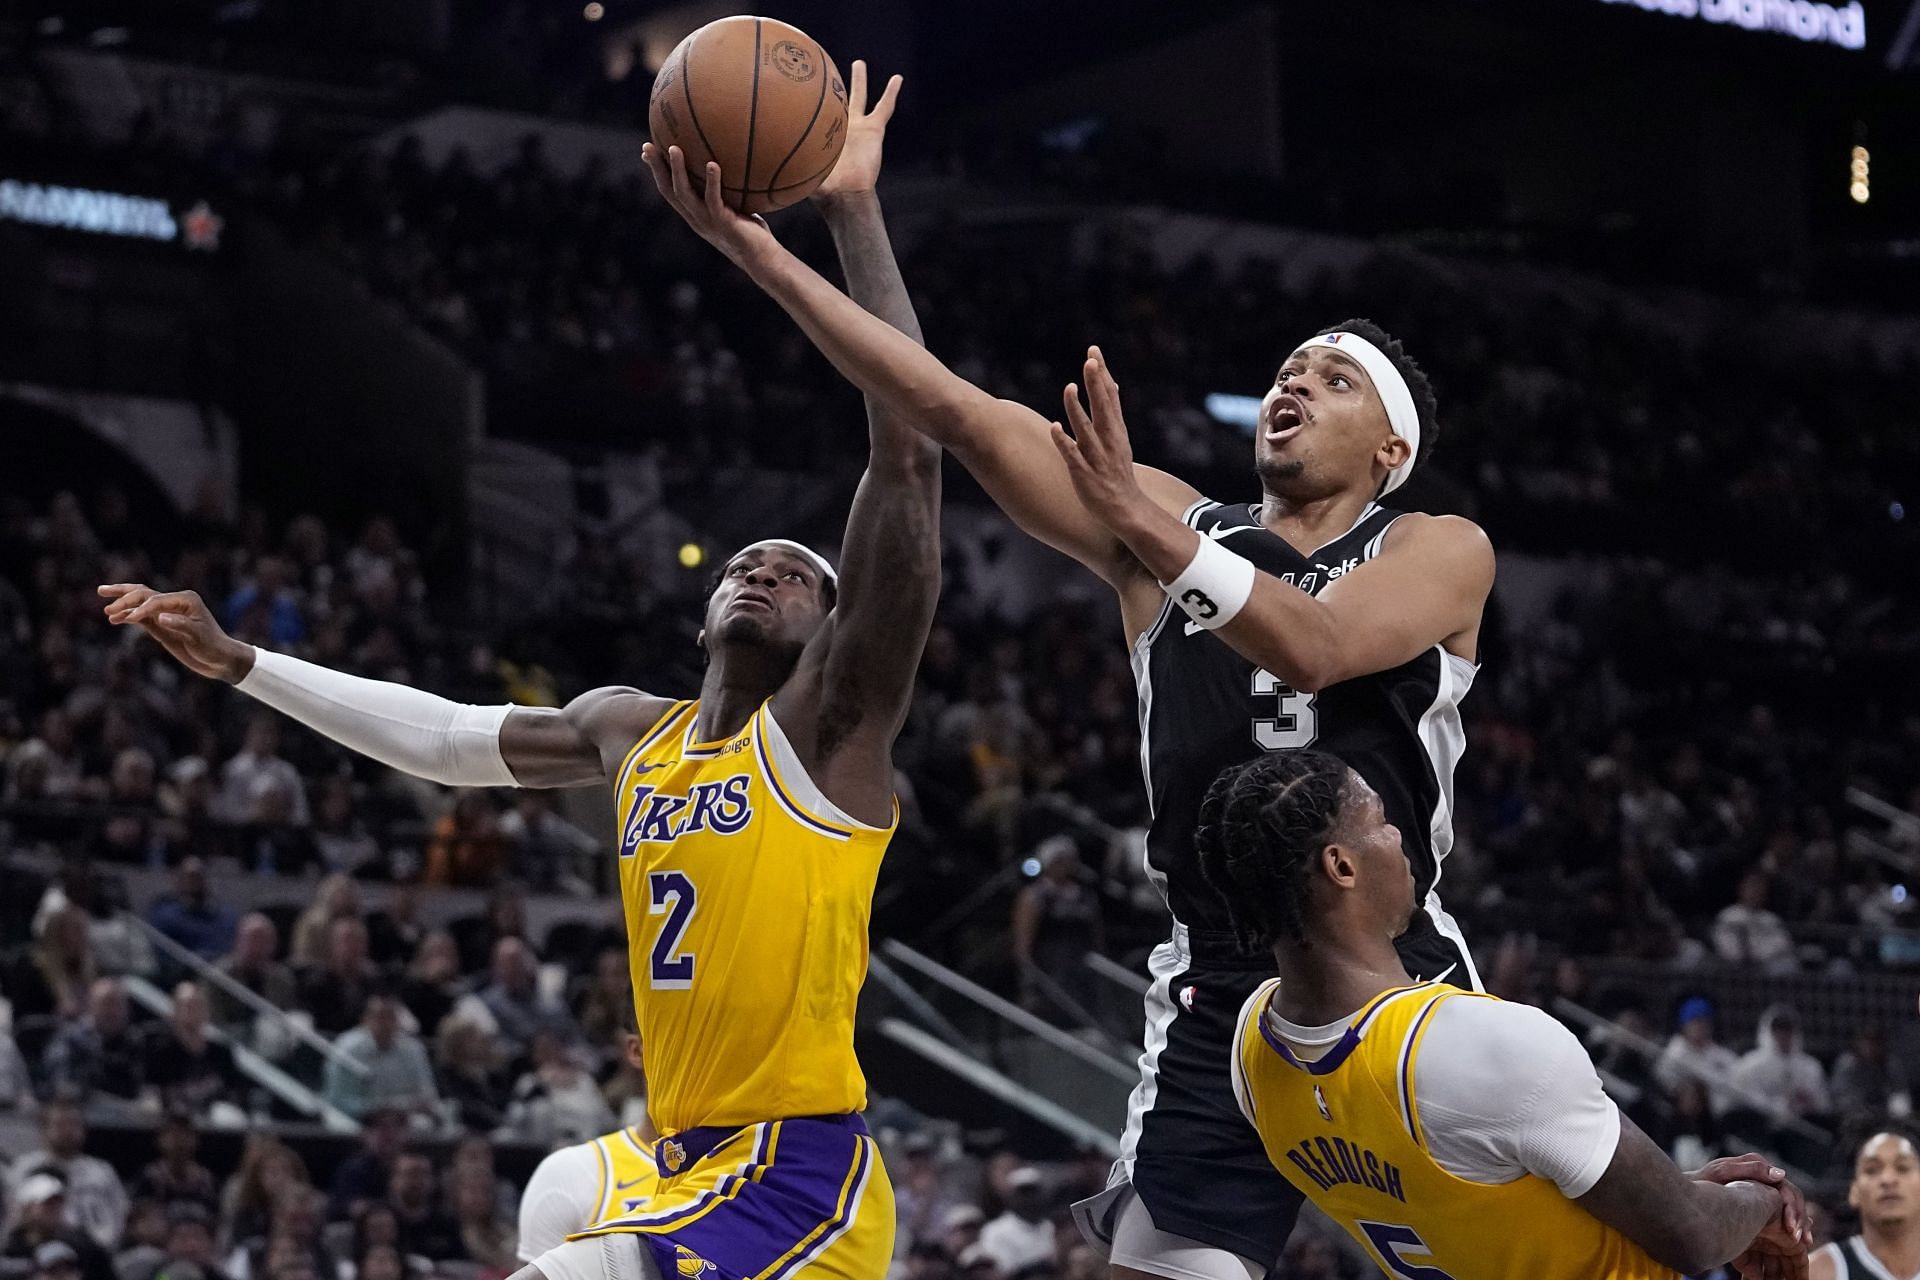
761 1202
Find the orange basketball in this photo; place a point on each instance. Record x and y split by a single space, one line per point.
762 99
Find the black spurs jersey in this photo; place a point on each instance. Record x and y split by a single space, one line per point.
1852 1260
1204 707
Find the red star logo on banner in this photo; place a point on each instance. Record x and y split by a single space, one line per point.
200 227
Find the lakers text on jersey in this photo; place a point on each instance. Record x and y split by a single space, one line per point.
1345 1129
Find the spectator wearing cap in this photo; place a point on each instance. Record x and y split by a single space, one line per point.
190 1070
93 1200
98 1052
1693 1053
176 1176
190 916
41 1234
976 1262
253 965
960 1228
397 1074
1023 1236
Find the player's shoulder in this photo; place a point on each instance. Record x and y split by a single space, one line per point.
1493 1032
1167 491
1451 533
617 711
570 1172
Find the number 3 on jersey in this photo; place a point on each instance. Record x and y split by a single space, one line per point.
1295 727
671 894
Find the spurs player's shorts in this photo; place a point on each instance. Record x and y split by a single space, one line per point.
757 1203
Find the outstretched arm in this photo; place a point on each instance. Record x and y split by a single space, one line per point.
1426 587
847 702
1002 443
420 733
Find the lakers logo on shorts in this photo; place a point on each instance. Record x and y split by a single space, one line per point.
690 1264
674 1156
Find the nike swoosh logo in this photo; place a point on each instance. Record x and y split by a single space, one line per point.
647 768
630 1182
1221 532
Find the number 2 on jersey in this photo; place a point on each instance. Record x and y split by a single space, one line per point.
1295 727
1388 1240
671 894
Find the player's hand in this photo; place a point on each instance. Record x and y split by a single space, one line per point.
1793 1229
857 171
184 626
745 239
1098 454
1755 1264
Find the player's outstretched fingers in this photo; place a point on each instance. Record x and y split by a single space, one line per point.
857 88
1076 412
889 99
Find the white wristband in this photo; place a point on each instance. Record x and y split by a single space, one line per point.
1214 586
452 743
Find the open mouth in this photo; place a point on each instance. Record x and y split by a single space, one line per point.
755 599
1286 420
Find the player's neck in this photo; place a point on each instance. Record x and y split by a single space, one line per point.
1330 977
1897 1247
1311 522
735 686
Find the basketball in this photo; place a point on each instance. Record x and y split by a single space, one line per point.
760 98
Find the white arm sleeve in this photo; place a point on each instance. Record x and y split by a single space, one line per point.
423 734
557 1201
1504 1091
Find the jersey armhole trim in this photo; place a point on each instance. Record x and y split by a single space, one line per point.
1409 1053
648 738
797 792
605 1160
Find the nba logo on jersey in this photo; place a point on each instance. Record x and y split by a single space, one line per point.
1186 997
688 1263
1320 1100
673 1155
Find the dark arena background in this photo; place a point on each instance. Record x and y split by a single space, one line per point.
364 320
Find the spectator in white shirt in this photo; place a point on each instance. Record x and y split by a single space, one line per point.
1023 1235
1779 1072
1747 933
1693 1054
260 758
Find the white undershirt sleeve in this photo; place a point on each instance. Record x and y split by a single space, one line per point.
1505 1091
557 1200
423 734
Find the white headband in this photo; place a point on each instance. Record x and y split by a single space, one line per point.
804 552
1402 417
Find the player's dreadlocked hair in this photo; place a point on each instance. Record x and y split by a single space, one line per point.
1425 403
1262 824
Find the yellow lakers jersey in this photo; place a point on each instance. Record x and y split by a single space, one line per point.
627 1174
1346 1131
747 896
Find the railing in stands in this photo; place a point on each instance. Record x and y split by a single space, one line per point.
211 975
251 1064
1001 1087
1007 1011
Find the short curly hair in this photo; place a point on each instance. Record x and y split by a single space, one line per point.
1262 825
